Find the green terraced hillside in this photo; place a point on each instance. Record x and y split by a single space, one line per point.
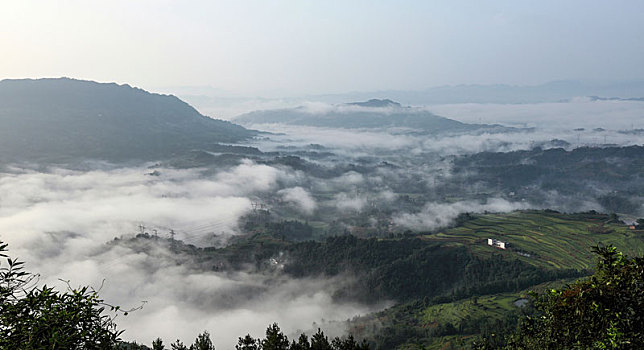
449 325
545 238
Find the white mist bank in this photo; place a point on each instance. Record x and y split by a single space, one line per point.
550 121
59 223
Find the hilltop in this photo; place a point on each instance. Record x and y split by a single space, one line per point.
65 119
374 102
371 114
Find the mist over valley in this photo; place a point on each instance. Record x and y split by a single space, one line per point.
312 216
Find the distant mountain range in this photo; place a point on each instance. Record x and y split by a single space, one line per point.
66 119
374 102
371 114
598 98
554 91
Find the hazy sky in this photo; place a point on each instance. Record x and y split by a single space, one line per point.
281 47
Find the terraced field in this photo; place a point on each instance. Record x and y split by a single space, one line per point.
544 238
467 318
493 306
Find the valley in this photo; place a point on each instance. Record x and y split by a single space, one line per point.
364 218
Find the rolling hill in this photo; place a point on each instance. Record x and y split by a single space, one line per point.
61 120
371 114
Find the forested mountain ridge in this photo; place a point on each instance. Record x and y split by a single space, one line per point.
371 114
63 119
582 170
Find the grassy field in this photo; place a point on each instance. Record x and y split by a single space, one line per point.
552 240
468 318
452 325
491 306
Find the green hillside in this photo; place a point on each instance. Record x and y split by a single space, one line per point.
551 239
449 325
447 289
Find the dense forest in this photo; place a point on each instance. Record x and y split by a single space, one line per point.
568 172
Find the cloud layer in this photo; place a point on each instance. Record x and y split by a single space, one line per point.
60 221
63 222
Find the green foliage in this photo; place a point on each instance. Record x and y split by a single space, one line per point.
546 239
276 340
291 230
349 343
410 268
131 346
44 318
441 271
605 311
567 172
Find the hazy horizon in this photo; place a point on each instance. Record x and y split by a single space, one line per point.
288 48
516 121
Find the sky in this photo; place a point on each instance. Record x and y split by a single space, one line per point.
297 47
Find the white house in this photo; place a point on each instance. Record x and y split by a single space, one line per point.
496 243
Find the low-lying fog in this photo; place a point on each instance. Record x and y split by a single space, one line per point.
580 122
63 222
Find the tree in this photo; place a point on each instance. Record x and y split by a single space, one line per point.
302 343
43 318
248 343
349 343
131 346
320 342
202 342
275 339
178 345
157 344
605 311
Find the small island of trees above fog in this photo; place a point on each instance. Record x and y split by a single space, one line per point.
362 225
371 114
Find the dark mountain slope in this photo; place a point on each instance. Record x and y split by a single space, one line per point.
612 175
66 119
